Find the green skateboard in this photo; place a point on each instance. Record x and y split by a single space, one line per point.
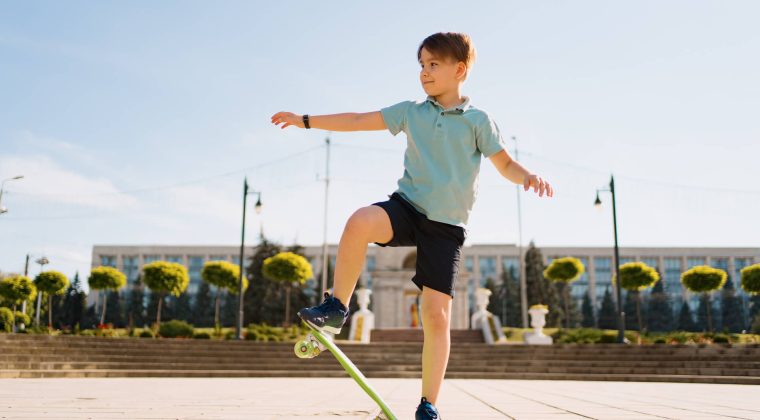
315 342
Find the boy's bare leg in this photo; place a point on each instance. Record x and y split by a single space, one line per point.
436 321
367 225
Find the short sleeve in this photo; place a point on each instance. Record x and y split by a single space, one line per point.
395 116
488 138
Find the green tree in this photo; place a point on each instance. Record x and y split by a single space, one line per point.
629 309
510 309
607 312
106 278
136 304
182 308
685 319
659 310
290 270
165 277
74 304
224 276
16 289
565 271
203 306
588 320
704 279
539 289
751 284
636 277
51 283
732 310
261 298
116 315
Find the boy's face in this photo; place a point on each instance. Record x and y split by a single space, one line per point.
440 75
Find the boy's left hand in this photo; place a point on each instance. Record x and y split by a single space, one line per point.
539 185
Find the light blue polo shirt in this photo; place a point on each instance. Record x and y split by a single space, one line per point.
443 153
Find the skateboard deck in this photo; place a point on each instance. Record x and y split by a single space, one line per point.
316 341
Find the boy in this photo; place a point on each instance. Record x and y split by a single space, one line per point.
446 137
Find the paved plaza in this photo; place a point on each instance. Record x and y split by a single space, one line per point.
338 398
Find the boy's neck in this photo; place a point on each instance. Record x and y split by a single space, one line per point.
450 99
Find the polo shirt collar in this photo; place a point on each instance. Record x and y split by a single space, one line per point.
459 108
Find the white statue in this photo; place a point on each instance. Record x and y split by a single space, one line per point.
537 321
484 320
363 320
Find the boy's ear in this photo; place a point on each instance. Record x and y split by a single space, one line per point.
461 70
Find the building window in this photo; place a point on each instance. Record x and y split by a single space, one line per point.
219 258
147 259
511 265
602 278
196 266
580 287
652 262
694 261
719 263
469 264
174 259
108 260
487 270
130 268
673 281
369 267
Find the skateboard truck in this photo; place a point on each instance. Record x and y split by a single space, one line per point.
309 347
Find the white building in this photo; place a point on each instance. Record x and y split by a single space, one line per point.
388 271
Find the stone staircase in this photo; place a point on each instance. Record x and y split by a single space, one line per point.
415 335
36 356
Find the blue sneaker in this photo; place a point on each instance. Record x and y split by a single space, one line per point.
426 411
329 316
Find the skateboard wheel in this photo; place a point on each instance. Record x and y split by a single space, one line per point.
306 349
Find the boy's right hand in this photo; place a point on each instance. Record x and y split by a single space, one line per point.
287 119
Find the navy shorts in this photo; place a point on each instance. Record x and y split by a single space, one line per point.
439 245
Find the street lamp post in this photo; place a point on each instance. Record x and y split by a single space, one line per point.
521 257
2 187
41 261
239 328
618 293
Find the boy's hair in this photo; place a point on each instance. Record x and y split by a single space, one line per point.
455 45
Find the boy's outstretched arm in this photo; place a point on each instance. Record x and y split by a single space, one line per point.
513 171
351 121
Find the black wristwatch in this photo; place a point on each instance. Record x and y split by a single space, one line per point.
306 121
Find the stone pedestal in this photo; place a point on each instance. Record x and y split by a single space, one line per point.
391 291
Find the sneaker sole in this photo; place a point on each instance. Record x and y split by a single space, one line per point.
325 328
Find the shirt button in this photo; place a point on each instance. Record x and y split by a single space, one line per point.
441 113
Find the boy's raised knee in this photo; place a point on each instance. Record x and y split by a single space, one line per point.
370 223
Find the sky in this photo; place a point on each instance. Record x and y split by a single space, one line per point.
136 123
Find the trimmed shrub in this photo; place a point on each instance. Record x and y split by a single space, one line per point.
6 319
202 336
146 334
751 279
175 329
22 318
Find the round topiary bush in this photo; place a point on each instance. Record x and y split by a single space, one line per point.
22 318
146 334
175 329
6 319
202 336
751 279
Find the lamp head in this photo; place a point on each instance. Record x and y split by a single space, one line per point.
598 202
258 205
